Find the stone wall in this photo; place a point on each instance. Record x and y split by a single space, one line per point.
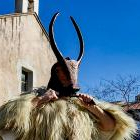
23 43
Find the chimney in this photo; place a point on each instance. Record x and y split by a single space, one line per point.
25 6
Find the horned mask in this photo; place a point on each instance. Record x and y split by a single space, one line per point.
65 70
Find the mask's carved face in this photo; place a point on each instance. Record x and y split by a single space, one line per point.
68 78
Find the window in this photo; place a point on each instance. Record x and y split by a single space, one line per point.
26 80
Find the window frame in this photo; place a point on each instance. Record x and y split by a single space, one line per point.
27 81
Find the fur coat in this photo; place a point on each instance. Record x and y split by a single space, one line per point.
63 119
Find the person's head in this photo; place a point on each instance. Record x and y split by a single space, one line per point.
65 72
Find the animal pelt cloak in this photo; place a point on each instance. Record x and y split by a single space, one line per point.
63 119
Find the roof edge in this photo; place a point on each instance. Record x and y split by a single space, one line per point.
26 14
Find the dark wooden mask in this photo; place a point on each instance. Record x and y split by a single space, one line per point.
66 70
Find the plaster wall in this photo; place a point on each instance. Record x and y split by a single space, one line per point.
23 43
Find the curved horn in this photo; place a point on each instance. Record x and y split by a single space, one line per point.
52 40
80 40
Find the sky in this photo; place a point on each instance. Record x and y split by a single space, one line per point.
111 32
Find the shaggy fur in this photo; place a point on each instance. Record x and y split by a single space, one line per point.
64 119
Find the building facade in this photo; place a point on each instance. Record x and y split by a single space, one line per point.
26 57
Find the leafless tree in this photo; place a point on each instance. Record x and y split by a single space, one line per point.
123 87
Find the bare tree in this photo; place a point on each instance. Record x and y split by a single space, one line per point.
124 87
102 91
